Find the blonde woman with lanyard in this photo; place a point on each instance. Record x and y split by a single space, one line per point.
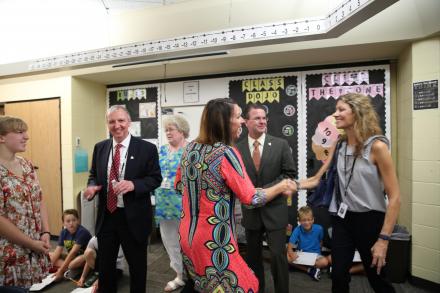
361 218
168 200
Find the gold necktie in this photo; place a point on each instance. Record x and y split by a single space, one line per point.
256 157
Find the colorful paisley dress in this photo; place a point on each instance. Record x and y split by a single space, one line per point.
20 200
209 177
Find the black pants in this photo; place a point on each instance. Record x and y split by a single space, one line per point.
356 231
115 232
276 241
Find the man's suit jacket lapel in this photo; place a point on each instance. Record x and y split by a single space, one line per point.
131 157
247 158
105 156
267 151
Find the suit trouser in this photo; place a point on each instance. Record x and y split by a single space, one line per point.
115 232
276 241
356 231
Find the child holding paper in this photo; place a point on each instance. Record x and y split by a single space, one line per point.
307 237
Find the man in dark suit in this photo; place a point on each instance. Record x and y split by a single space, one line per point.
267 159
125 169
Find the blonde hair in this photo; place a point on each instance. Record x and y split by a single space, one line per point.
304 211
11 124
179 121
366 120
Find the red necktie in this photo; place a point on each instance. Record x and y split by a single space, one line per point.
256 157
112 198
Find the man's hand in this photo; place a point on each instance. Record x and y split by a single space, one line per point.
123 187
290 188
91 191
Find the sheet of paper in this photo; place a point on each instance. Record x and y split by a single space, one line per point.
46 281
306 258
135 128
83 290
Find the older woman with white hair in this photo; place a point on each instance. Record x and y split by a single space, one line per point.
168 201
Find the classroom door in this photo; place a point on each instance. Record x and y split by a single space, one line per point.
44 150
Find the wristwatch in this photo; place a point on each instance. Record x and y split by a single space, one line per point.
384 237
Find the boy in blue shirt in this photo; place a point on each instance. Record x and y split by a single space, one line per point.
74 238
307 237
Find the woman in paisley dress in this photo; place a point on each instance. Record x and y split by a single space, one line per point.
211 176
168 201
24 227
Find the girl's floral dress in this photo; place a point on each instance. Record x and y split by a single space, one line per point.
20 202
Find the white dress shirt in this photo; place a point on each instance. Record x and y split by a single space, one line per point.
122 164
260 140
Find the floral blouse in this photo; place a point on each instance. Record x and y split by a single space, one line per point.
168 200
20 202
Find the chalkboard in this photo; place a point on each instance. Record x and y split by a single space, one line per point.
425 95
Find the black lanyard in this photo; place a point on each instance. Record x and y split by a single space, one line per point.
123 163
345 170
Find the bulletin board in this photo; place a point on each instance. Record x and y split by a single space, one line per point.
142 104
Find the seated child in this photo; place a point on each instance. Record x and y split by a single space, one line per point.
74 238
90 257
307 237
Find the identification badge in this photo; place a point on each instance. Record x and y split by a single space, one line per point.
165 184
342 210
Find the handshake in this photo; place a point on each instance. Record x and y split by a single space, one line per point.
290 187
